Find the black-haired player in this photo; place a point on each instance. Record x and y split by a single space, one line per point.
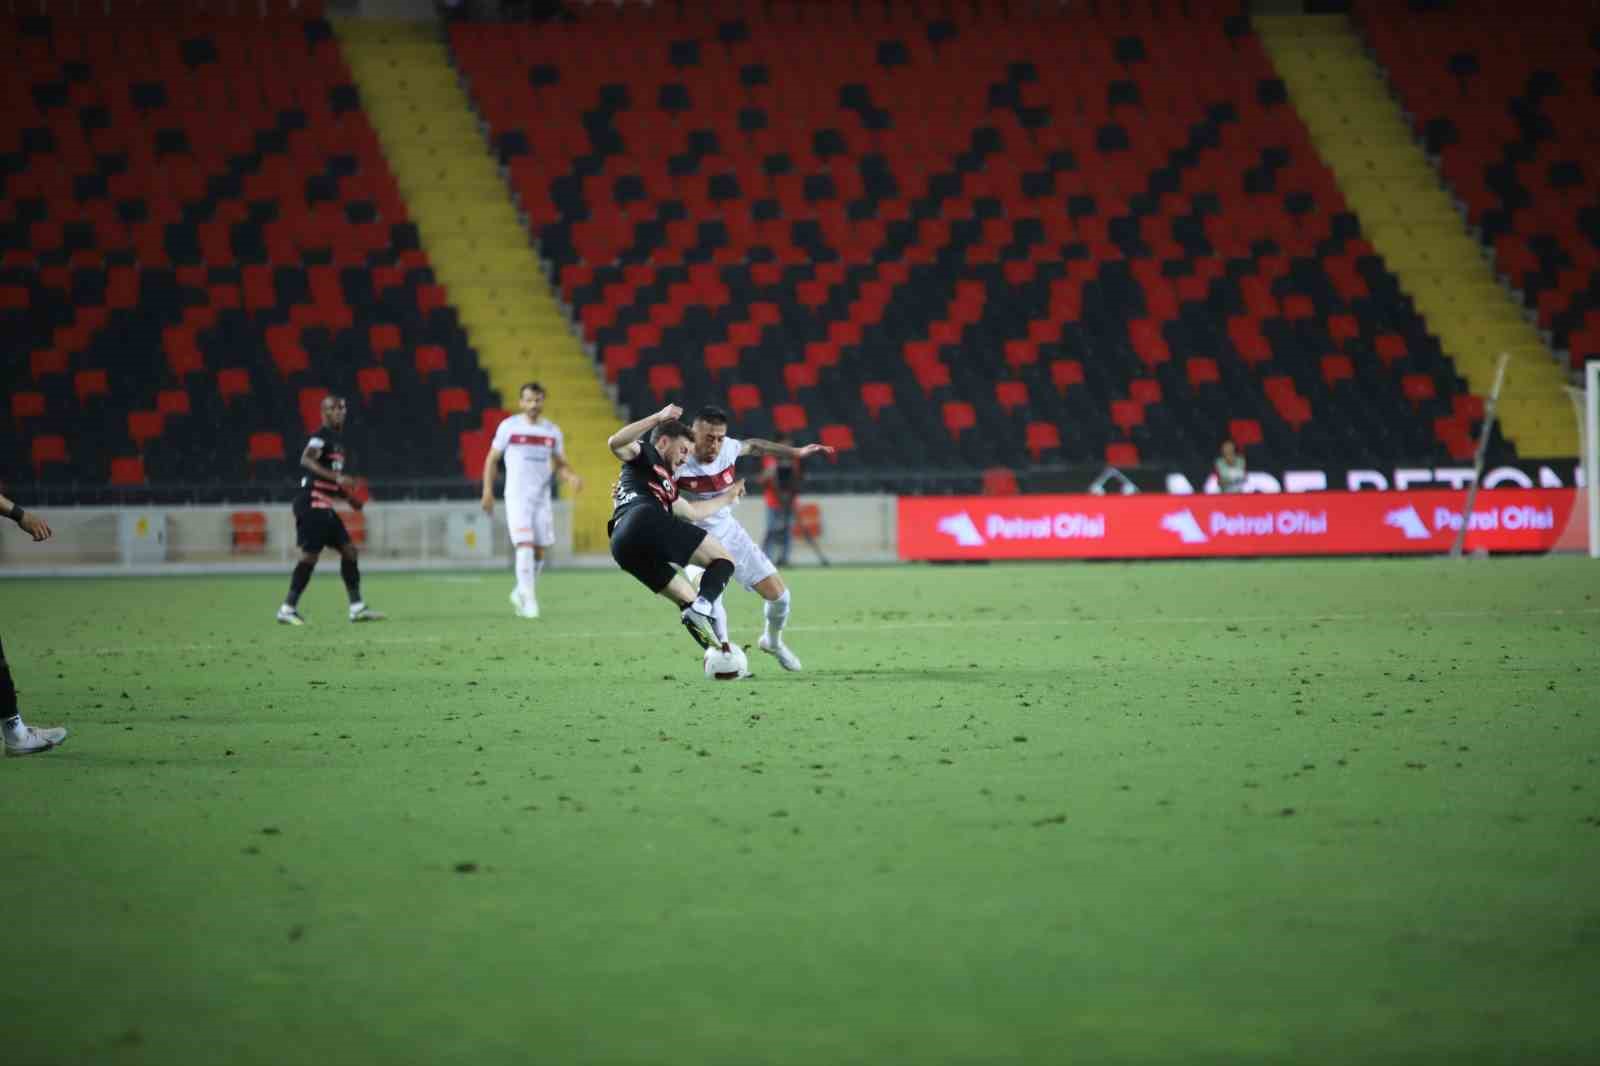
19 737
652 529
317 525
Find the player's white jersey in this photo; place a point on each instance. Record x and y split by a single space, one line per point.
697 480
530 449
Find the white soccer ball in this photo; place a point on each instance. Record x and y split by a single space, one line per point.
727 665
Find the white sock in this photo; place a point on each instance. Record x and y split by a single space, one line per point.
719 618
777 612
525 572
538 567
14 727
703 606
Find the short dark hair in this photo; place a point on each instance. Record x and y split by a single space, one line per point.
672 428
713 414
534 385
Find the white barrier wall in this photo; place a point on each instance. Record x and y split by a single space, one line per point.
175 539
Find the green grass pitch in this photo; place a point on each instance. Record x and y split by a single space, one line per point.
1281 812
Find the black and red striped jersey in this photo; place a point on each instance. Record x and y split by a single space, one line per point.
644 479
316 491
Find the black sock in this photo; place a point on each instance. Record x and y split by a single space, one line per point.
715 579
298 582
8 691
350 570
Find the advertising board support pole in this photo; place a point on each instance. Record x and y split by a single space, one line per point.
1483 451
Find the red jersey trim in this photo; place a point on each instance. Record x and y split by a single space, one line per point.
529 438
707 484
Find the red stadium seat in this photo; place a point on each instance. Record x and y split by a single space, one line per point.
87 383
1000 481
266 447
1122 453
839 437
1202 371
249 529
370 380
1125 414
958 417
47 361
172 402
1042 437
1011 395
799 376
127 470
788 418
384 338
474 449
1245 432
1337 368
742 398
311 407
431 359
27 405
233 382
1418 387
453 401
489 418
49 448
1390 347
665 378
1065 373
144 426
877 395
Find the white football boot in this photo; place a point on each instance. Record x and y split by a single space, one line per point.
780 651
525 606
360 612
31 741
289 616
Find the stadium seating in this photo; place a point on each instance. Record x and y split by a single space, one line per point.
1060 235
1513 131
197 225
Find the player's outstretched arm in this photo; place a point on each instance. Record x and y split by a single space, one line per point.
489 461
695 510
759 446
31 524
624 443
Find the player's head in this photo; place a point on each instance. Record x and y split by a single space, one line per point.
334 409
673 440
710 429
531 399
1229 450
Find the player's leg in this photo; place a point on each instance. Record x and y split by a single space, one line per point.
519 523
19 737
755 571
350 570
310 534
719 608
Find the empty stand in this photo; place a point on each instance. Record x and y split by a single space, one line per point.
197 225
1048 236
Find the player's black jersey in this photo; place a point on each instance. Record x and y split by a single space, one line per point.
644 479
316 491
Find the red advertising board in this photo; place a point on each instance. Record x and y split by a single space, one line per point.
1150 526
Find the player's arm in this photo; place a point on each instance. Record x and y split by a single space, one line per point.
489 462
695 510
311 459
564 470
758 446
31 524
624 443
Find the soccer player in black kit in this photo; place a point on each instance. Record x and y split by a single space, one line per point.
651 527
317 525
18 737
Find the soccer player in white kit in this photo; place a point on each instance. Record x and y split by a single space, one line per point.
534 454
709 470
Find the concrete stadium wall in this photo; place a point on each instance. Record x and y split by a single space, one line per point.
400 536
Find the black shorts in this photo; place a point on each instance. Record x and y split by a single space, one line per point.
646 541
316 528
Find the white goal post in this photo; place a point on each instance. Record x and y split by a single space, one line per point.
1591 452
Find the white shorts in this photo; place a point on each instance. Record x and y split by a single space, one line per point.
531 519
750 564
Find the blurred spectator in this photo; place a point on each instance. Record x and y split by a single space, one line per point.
1230 468
781 482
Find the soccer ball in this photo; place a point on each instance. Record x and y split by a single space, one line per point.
729 665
